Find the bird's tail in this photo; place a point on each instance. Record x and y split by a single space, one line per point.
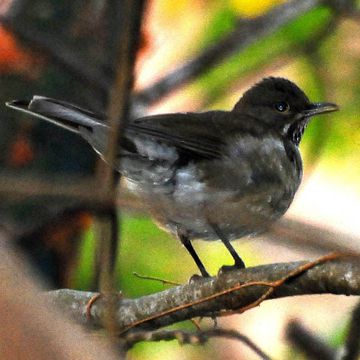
60 113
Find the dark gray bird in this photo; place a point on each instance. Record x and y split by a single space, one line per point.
210 175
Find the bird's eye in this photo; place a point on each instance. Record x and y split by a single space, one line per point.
282 106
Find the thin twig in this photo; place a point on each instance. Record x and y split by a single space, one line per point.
130 13
200 337
153 278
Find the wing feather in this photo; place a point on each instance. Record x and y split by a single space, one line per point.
194 135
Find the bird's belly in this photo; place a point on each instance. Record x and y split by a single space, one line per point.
193 209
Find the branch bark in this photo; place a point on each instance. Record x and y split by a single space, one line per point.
341 276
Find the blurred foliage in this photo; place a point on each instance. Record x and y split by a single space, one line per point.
214 84
248 8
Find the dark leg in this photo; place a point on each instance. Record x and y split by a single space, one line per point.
239 264
186 242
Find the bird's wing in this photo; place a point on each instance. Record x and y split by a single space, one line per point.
194 136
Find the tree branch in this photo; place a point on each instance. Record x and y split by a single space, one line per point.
209 297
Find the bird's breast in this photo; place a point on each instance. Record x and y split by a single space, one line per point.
243 192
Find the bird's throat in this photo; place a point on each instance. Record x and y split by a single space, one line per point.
296 131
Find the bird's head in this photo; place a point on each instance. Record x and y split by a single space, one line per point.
281 105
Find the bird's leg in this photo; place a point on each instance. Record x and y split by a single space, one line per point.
187 243
239 264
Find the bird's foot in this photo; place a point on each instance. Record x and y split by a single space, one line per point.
226 268
195 278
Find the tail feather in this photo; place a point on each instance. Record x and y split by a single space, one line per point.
60 113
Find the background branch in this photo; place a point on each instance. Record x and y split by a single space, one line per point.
245 34
308 343
124 42
298 233
352 342
185 337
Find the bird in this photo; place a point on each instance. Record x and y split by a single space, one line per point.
213 175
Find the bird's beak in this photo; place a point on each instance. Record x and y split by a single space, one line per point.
319 108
